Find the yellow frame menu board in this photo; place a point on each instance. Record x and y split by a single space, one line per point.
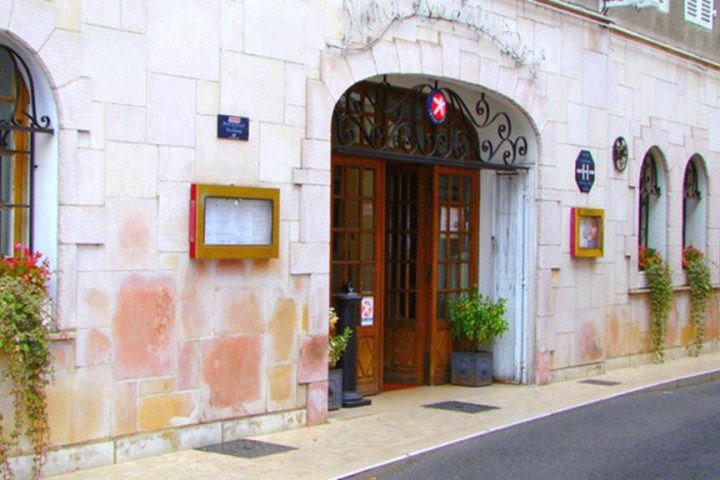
587 232
233 222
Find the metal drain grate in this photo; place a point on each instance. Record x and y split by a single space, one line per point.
604 383
246 448
463 407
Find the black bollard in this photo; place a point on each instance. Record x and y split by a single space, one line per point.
346 305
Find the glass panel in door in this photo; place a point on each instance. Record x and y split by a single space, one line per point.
356 240
456 255
404 345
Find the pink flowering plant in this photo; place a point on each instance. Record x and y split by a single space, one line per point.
648 256
27 266
24 341
691 254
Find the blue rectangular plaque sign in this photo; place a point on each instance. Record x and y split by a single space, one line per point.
233 127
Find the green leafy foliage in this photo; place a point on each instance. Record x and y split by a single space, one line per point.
24 340
698 274
660 283
475 320
337 343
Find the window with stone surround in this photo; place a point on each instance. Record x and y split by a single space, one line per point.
651 203
15 172
694 203
28 155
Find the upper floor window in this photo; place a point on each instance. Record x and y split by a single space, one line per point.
661 5
700 12
694 206
651 208
19 123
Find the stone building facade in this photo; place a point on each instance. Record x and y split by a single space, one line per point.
157 351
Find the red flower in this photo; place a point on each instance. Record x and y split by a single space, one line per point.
29 266
647 256
691 254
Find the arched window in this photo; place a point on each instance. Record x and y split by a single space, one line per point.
693 204
651 211
20 122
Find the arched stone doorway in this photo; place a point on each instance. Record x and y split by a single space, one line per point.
424 208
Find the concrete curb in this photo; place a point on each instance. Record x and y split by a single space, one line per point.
695 379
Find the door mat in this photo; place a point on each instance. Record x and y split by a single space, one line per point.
604 383
463 407
246 448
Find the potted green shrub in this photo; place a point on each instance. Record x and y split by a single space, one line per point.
700 281
337 343
475 321
659 279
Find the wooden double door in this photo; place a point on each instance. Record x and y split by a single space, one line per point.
405 236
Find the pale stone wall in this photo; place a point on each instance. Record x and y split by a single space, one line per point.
157 351
163 352
594 316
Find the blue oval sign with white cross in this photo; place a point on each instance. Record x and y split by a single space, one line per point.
436 106
584 171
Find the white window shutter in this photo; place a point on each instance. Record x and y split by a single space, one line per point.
700 12
615 3
706 13
662 5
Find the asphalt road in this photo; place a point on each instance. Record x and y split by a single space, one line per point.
671 434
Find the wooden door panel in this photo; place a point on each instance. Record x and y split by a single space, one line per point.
357 252
405 319
454 255
442 352
367 365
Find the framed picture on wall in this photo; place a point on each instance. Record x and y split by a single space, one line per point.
587 232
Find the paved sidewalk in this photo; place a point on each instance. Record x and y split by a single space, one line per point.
397 425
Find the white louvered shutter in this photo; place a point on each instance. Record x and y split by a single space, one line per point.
700 12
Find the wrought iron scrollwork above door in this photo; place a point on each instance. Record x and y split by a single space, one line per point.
394 122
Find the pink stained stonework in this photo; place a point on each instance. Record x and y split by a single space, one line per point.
195 302
232 376
317 403
240 312
543 367
589 343
143 328
313 365
94 347
189 365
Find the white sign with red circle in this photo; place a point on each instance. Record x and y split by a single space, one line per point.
367 307
437 106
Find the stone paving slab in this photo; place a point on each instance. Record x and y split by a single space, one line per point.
397 426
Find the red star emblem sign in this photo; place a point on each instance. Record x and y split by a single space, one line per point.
437 106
